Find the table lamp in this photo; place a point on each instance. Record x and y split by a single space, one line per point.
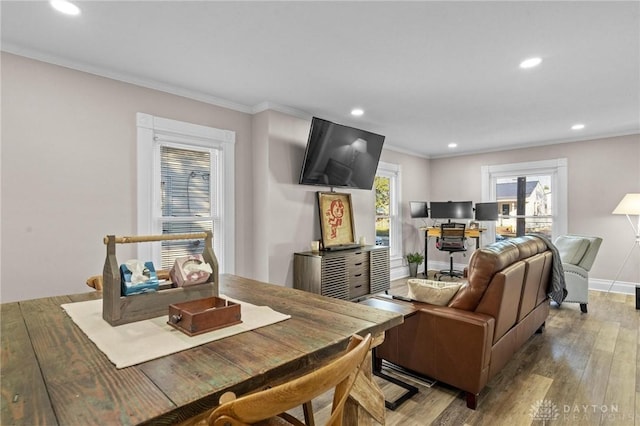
629 206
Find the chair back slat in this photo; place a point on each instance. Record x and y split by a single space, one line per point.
339 374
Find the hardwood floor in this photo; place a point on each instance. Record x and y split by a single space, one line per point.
582 370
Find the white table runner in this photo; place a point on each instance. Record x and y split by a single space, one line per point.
136 342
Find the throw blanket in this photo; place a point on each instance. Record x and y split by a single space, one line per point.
558 291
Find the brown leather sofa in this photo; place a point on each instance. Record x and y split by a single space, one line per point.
465 343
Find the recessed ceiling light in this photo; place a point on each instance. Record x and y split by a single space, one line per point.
578 126
357 112
530 63
452 145
65 7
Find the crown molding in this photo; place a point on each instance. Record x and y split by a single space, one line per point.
263 106
125 78
399 150
152 84
534 144
271 106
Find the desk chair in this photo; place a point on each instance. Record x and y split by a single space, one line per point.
451 240
268 407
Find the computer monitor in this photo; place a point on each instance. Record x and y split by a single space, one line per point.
451 209
486 211
418 209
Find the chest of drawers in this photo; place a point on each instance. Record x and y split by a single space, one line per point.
346 274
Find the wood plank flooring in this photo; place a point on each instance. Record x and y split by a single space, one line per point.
582 370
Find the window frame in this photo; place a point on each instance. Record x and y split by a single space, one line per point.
152 132
393 173
556 168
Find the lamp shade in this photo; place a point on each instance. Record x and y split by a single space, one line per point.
630 204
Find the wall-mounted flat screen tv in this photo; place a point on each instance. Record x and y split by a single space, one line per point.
341 156
451 209
486 211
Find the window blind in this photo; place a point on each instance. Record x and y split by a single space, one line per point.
188 180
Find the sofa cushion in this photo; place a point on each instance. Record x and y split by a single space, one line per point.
528 245
433 292
571 249
483 265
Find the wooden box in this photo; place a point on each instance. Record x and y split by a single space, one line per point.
203 315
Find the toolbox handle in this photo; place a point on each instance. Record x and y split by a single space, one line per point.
149 238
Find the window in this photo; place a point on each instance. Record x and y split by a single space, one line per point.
388 227
525 205
185 185
189 200
383 209
532 197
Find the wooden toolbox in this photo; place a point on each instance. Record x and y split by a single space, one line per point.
203 315
118 309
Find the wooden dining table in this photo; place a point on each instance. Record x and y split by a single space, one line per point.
52 374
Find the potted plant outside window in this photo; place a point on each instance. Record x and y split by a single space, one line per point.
414 259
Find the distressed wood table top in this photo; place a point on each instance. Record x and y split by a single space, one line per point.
53 374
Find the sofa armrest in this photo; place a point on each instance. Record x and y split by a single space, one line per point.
447 344
462 343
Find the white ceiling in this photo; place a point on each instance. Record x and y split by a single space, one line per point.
426 73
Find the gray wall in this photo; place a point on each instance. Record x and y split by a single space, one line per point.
600 173
290 210
69 172
415 186
68 179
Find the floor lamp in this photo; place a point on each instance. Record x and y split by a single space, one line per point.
629 206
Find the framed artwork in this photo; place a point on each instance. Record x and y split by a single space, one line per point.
336 219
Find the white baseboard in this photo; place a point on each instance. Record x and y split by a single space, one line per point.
437 265
618 287
403 271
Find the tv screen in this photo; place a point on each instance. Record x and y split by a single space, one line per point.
486 211
451 210
418 209
338 155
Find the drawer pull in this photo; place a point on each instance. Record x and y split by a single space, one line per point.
358 286
358 264
357 275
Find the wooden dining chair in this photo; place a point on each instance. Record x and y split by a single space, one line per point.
268 407
95 281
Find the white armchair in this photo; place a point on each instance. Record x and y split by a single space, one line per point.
578 253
